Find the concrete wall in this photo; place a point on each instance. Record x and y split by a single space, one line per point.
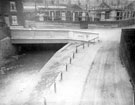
127 50
23 35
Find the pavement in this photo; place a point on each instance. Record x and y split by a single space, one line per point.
94 77
108 81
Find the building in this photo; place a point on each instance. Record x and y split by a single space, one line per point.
105 12
11 12
16 13
100 12
54 13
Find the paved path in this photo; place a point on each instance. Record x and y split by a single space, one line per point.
107 82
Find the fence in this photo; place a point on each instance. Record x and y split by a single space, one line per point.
66 68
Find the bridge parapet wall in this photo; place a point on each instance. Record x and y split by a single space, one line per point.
52 35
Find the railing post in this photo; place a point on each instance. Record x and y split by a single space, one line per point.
73 55
61 76
66 67
76 49
55 90
45 101
70 60
83 46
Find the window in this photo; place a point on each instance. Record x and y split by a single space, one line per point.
107 15
58 17
12 6
14 20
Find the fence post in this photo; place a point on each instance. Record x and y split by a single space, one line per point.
73 55
83 46
70 60
45 101
55 90
66 67
76 49
61 76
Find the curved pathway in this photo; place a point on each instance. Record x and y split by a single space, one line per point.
107 82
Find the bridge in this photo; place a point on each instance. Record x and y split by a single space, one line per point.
39 36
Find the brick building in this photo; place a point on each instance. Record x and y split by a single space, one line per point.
11 12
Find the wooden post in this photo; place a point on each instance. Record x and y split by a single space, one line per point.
83 46
70 60
61 76
76 49
66 67
55 90
45 101
73 55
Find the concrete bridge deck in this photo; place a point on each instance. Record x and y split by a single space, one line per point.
36 36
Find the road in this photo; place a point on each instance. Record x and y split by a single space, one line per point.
107 82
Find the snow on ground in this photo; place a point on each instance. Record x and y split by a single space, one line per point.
18 83
113 34
108 81
79 84
70 88
18 91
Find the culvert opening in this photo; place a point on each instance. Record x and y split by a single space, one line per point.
32 48
31 57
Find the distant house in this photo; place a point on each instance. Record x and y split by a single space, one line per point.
12 12
61 13
100 12
130 10
76 11
104 12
